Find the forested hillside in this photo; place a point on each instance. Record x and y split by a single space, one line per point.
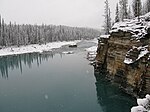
15 34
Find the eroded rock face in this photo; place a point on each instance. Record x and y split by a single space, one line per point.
126 55
124 59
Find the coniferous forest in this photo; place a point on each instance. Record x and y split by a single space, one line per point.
14 34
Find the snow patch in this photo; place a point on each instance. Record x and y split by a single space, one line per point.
143 105
104 36
34 48
143 51
91 53
92 49
138 109
137 28
68 52
128 61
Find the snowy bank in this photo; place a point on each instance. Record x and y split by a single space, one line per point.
34 48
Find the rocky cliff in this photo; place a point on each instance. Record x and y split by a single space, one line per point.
125 55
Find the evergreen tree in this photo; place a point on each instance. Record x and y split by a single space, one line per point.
130 13
123 9
3 33
107 21
10 34
13 34
117 14
147 5
137 8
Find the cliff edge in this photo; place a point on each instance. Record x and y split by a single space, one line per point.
125 55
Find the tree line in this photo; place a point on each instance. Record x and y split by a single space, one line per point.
14 34
125 11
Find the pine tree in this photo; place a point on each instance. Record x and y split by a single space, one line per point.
129 13
123 9
137 8
144 9
147 5
14 34
3 33
107 21
117 14
9 34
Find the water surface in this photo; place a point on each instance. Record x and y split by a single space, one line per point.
56 83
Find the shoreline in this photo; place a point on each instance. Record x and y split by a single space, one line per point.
33 48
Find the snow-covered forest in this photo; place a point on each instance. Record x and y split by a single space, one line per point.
14 34
124 10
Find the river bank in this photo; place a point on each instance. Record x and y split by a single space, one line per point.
14 50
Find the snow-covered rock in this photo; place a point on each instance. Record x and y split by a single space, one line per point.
138 109
104 36
73 45
143 105
140 51
91 53
92 49
138 29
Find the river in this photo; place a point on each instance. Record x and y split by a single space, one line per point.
57 82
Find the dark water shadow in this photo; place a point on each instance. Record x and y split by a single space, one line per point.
110 97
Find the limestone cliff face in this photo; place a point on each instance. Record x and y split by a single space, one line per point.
126 58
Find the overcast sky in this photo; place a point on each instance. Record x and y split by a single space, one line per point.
83 13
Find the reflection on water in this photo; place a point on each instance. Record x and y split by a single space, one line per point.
16 61
59 85
110 97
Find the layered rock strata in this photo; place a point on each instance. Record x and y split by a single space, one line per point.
125 55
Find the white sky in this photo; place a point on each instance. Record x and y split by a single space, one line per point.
82 13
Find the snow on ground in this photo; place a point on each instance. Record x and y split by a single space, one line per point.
34 48
142 52
143 105
72 44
